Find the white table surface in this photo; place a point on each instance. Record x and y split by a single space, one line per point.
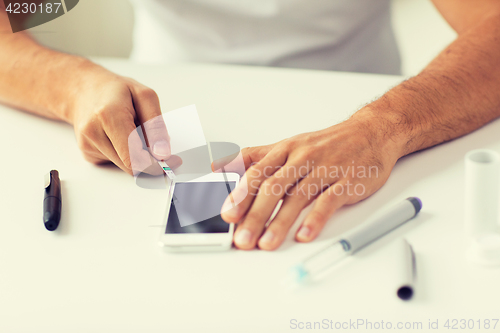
102 270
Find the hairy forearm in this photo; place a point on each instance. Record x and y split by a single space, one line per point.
455 94
34 78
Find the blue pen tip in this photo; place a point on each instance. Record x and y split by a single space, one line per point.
300 273
417 203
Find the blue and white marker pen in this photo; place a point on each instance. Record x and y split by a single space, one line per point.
356 239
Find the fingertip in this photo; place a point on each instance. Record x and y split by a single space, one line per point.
243 239
243 247
229 164
268 242
125 167
304 234
161 150
266 247
229 211
229 218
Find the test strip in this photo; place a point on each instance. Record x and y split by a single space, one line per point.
168 171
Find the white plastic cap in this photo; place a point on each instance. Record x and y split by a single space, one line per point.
482 192
485 250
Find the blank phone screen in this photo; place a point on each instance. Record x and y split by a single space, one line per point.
195 208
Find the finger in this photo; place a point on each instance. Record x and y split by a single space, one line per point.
140 159
154 169
232 163
327 203
90 152
101 142
117 127
247 157
297 198
241 198
147 107
106 148
271 191
96 160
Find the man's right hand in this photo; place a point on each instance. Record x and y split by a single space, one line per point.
104 108
105 113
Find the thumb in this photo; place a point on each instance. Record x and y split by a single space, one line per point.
147 108
157 138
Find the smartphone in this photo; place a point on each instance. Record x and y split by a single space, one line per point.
193 221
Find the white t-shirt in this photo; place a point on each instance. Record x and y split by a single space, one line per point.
343 35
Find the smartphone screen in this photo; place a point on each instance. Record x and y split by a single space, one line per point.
196 206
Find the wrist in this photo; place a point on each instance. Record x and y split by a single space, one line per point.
79 73
56 81
383 131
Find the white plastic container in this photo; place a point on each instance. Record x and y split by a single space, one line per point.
482 176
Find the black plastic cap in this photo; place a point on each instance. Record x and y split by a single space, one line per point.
405 293
51 226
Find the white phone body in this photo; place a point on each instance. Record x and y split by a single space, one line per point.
199 241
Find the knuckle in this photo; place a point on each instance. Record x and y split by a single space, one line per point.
247 151
309 139
286 144
87 129
299 194
155 124
147 93
334 191
270 182
332 194
255 171
281 149
281 224
271 185
317 218
253 216
305 155
102 115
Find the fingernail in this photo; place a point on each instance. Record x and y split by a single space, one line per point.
268 237
162 148
304 232
243 237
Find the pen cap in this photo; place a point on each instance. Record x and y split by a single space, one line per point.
482 171
405 269
53 185
51 212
